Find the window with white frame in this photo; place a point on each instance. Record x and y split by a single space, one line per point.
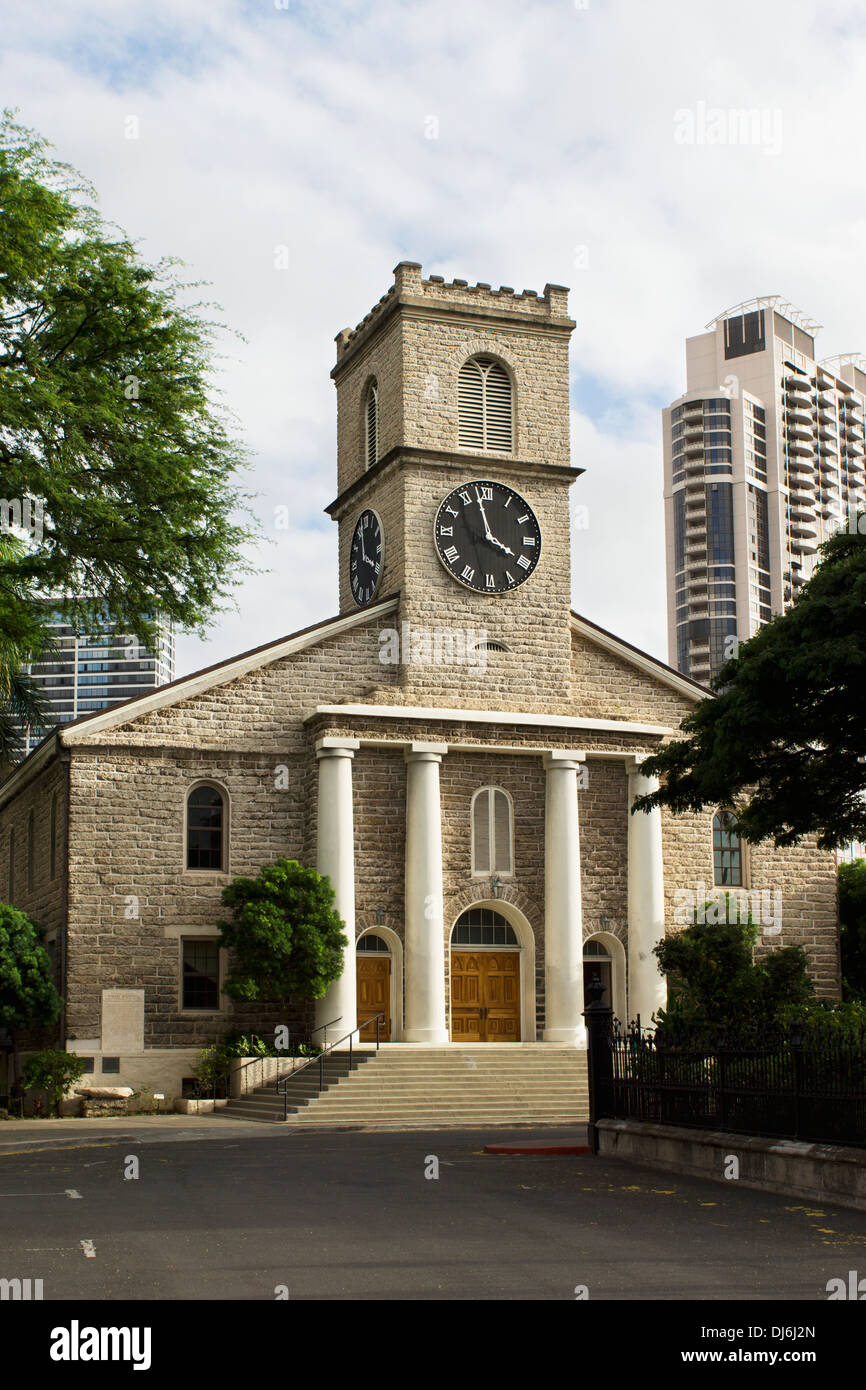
492 833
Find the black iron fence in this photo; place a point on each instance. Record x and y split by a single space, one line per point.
784 1084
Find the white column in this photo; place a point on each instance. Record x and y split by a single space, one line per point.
563 918
425 931
646 900
336 858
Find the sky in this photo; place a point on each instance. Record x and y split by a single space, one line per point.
291 152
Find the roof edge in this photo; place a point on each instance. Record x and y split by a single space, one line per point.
684 685
185 687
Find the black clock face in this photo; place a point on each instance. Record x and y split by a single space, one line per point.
365 557
487 537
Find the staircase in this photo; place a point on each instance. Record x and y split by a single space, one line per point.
408 1086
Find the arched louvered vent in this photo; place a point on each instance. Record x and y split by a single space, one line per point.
498 408
491 832
371 451
484 406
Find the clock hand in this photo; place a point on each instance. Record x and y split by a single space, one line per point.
487 531
506 548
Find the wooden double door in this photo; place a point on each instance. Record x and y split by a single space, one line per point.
485 996
374 996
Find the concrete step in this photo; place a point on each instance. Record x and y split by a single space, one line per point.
509 1120
424 1088
403 1104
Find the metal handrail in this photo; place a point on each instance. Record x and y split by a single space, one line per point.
283 1081
326 1026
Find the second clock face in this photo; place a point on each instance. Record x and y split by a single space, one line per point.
365 557
487 537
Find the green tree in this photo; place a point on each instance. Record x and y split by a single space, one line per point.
28 997
714 979
286 937
783 742
852 928
54 1072
22 639
109 412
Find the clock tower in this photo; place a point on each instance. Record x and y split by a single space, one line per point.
453 490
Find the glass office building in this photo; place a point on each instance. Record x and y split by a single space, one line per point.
92 670
763 460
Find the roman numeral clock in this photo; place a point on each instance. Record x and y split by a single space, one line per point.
365 557
487 537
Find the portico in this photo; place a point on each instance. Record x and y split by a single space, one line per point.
423 989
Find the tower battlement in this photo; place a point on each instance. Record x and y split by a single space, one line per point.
410 287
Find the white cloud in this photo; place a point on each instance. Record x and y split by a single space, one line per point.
305 127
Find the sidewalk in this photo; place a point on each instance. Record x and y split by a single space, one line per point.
33 1136
16 1135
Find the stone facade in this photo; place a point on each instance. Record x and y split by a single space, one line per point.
567 700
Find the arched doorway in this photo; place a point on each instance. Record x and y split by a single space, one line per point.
604 957
373 966
486 983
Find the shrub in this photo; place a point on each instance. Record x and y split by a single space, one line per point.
54 1072
285 937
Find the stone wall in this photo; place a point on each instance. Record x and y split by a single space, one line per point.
414 343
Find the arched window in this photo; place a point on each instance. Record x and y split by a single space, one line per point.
597 965
371 426
205 828
727 851
491 833
481 926
484 406
374 944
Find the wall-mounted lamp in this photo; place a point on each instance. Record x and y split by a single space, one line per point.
496 887
603 922
380 916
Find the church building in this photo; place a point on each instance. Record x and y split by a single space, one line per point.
456 749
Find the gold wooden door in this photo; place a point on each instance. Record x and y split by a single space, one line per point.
374 996
485 996
467 984
502 1016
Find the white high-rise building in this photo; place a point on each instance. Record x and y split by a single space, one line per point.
93 670
763 460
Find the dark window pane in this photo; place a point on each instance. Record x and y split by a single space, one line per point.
727 852
204 820
745 334
481 926
200 975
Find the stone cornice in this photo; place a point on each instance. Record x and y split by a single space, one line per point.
519 719
406 456
436 308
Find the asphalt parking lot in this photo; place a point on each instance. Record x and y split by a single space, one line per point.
240 1212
